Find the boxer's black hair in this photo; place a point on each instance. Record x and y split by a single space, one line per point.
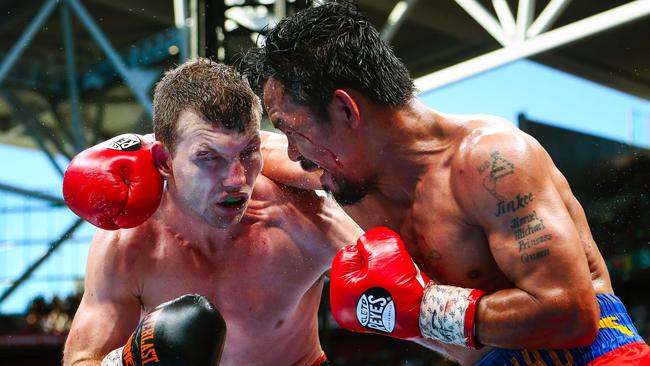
324 48
215 90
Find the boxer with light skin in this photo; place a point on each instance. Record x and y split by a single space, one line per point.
255 249
506 256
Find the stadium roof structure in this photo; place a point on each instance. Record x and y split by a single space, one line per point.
89 65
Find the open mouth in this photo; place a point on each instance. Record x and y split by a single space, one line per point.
233 202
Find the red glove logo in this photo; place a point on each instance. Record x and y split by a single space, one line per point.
126 142
376 310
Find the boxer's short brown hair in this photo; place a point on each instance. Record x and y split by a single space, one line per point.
215 90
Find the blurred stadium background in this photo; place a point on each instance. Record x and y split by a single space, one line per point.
574 74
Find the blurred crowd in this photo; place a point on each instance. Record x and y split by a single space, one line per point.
53 316
618 208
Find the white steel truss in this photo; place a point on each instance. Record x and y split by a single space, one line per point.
525 37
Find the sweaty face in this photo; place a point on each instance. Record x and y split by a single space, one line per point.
214 169
319 145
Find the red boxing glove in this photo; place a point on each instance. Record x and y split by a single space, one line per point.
375 286
114 184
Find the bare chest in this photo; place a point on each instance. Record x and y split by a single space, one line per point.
257 284
445 246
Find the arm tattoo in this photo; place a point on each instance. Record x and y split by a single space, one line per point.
523 229
497 168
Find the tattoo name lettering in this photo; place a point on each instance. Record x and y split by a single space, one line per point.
526 244
524 226
527 225
520 201
526 258
518 222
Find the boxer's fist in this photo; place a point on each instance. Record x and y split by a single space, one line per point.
114 184
376 287
186 331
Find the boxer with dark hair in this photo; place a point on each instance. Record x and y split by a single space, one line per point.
506 256
255 249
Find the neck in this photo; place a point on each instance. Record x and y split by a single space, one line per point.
409 140
188 228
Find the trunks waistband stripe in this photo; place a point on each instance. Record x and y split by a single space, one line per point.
322 360
615 329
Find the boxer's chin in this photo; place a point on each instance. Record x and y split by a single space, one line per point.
346 192
224 220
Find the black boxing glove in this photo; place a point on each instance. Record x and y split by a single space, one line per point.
186 331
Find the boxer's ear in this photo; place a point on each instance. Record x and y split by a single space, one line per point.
347 107
162 158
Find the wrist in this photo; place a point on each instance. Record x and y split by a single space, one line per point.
448 314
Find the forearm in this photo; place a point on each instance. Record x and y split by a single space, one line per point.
508 318
83 362
515 319
80 358
279 168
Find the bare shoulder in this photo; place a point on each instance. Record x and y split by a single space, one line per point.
488 155
489 136
115 246
115 261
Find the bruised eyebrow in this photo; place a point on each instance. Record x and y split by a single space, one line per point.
204 146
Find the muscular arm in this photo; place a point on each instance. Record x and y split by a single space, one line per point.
503 182
279 168
335 229
108 312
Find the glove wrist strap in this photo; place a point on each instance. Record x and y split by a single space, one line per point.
448 313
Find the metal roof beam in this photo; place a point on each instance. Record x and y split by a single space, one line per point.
130 77
22 42
552 39
33 126
50 250
396 18
55 201
525 12
548 16
505 16
485 19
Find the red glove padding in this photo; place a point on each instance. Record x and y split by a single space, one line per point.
114 184
375 286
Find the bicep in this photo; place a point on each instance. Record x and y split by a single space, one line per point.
108 311
98 328
530 232
538 246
